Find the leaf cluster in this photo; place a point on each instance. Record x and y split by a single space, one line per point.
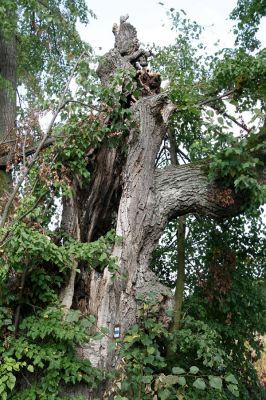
198 369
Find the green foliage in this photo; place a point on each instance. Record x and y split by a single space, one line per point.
198 370
225 290
38 355
244 73
35 364
46 34
248 13
224 260
237 165
203 127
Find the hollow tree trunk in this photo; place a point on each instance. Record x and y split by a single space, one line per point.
139 225
149 199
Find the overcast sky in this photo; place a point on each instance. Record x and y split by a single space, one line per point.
149 17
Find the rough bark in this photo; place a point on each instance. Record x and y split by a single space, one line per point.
7 100
114 302
150 198
181 244
7 87
71 225
185 189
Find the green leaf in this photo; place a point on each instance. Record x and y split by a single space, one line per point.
178 371
233 389
164 394
2 388
30 368
181 380
169 380
194 370
210 113
72 316
11 383
147 379
131 338
200 384
231 378
215 382
150 350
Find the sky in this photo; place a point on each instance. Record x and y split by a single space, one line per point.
149 17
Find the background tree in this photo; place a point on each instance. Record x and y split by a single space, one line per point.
39 45
248 14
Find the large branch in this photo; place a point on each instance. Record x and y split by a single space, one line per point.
186 189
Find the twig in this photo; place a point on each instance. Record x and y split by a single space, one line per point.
22 284
233 119
163 148
26 379
23 151
183 155
8 234
35 156
82 104
205 102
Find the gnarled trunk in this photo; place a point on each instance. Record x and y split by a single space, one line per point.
139 224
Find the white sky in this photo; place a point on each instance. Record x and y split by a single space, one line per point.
149 17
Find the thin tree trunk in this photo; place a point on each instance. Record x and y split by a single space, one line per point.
180 280
70 223
8 66
181 237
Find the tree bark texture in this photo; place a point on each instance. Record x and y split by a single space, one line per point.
8 66
7 87
148 199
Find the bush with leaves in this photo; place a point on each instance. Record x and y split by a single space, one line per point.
38 338
43 355
199 368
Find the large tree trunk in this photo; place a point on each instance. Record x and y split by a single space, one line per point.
149 199
140 225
